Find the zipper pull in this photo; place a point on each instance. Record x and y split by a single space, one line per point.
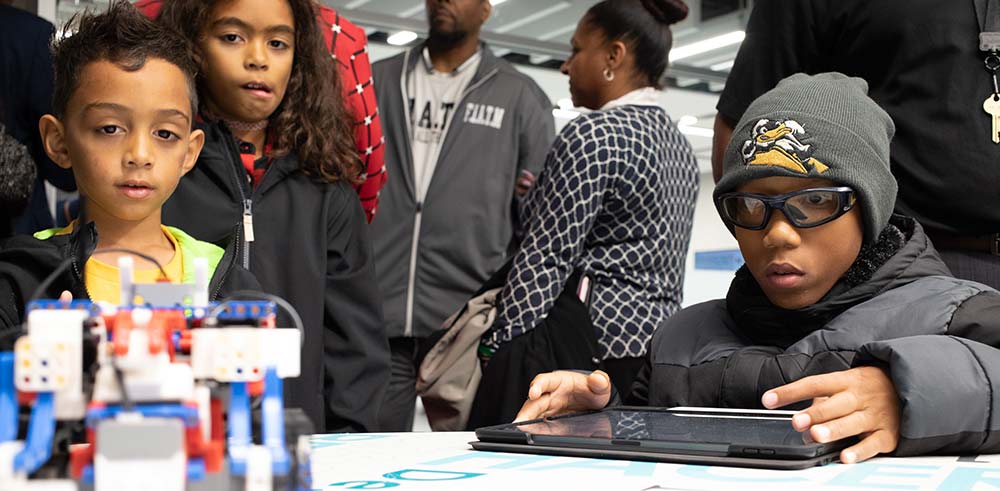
248 220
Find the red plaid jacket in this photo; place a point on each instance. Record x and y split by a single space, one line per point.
349 47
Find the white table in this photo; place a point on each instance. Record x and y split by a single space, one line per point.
444 461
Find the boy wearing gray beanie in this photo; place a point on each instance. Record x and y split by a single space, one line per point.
840 302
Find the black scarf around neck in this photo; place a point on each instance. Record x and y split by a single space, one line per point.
765 323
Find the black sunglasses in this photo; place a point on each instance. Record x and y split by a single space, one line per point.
806 208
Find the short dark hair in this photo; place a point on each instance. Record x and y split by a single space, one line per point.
645 26
122 35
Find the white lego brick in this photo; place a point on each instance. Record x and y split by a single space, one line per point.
140 453
201 282
168 382
203 396
125 267
303 451
43 365
242 354
50 485
258 476
57 324
55 337
7 452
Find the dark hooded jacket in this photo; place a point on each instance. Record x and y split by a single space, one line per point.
937 336
311 247
26 261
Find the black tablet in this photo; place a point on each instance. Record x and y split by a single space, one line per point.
743 438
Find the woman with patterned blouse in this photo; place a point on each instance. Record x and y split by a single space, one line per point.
617 195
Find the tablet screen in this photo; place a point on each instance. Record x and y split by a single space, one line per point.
686 427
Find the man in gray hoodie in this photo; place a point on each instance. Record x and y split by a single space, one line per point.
461 128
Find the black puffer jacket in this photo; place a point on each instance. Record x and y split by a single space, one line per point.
929 329
311 248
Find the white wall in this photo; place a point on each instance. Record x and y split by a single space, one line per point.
708 234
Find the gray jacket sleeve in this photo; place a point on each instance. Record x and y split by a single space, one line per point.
536 131
946 388
934 375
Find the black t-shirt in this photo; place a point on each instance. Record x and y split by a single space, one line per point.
922 62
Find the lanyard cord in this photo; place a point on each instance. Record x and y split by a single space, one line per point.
988 17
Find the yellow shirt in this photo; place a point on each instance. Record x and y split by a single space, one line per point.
102 279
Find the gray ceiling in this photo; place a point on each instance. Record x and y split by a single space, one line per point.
544 28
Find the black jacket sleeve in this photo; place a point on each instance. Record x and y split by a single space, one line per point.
25 262
355 346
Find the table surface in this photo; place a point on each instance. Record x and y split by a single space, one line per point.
445 461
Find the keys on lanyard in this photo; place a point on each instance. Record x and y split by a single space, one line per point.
989 43
992 103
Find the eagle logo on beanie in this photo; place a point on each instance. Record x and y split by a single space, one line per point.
778 143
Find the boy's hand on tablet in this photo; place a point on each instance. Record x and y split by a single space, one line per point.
562 392
858 402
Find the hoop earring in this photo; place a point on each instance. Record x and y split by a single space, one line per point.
609 75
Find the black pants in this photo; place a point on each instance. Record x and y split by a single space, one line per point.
622 372
564 340
401 395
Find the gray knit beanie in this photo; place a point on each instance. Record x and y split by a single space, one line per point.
817 126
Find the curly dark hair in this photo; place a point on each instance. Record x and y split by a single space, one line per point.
123 36
312 120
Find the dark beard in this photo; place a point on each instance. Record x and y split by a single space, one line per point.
442 40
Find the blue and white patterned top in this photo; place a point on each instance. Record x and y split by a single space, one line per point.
616 199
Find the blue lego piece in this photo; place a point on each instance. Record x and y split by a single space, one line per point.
247 309
175 338
240 438
187 414
273 422
195 469
87 477
38 447
8 399
60 305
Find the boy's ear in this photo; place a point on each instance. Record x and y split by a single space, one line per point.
195 142
54 140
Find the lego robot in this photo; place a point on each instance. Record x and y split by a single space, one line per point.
160 388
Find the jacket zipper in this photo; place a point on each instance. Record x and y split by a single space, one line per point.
247 204
247 231
415 242
79 277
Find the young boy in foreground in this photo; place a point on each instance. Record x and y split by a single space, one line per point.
840 302
124 104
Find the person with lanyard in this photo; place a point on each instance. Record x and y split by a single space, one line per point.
925 67
462 127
